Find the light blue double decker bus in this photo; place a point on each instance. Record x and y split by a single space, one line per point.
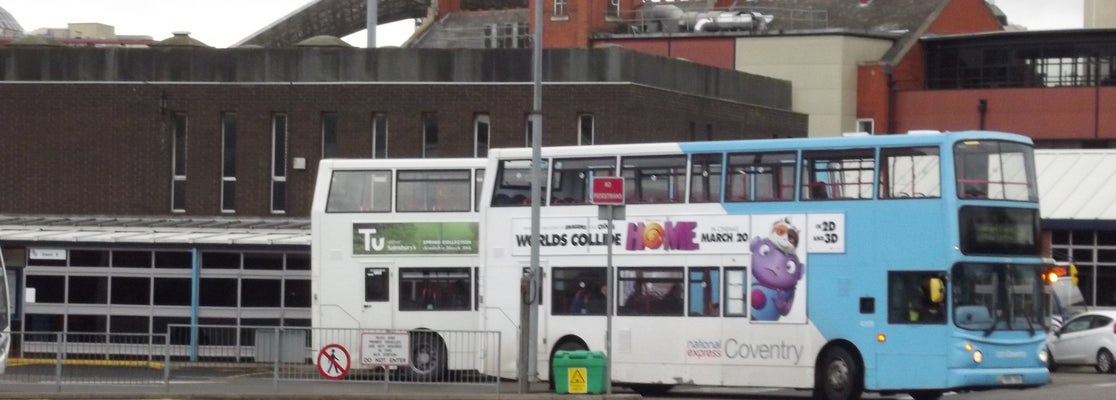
893 264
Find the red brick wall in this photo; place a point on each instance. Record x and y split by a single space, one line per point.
106 148
871 92
1041 113
583 18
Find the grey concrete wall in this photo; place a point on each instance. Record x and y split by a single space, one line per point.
255 65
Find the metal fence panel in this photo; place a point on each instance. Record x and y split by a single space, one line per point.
259 356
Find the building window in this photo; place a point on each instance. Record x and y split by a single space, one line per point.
560 9
1093 253
178 185
48 289
261 293
228 162
329 135
279 163
172 291
379 135
429 135
480 134
507 36
296 293
217 292
866 125
613 9
131 290
585 132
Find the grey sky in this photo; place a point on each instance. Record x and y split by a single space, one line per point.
222 23
1044 14
218 23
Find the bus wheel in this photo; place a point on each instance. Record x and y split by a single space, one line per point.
565 345
1050 364
926 394
1105 363
428 357
839 376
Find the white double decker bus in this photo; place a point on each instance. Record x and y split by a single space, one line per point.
890 264
394 248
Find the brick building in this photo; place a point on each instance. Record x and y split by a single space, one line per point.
130 169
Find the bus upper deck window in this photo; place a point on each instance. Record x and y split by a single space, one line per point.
359 191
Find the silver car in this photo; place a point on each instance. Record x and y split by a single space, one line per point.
1088 338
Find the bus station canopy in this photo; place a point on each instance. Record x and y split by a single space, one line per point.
1076 188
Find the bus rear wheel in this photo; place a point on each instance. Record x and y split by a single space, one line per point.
428 358
651 389
838 376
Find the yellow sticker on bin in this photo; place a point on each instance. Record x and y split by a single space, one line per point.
576 380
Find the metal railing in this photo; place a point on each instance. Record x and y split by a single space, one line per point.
263 358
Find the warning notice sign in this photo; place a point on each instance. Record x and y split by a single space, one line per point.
385 347
576 380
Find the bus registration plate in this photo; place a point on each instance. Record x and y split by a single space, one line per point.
1011 379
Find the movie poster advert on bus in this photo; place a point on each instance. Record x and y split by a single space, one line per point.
778 245
418 238
778 269
637 235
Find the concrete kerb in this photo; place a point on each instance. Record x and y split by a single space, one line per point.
380 396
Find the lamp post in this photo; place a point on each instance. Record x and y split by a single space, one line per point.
528 327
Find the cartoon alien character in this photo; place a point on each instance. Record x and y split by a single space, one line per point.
776 271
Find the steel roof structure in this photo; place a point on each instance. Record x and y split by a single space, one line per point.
138 230
338 18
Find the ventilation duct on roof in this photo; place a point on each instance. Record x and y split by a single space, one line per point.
715 21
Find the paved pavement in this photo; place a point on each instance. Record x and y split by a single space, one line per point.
80 380
263 389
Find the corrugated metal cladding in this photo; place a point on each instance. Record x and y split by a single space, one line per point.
1077 185
212 231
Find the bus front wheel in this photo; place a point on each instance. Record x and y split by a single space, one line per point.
839 376
565 345
926 395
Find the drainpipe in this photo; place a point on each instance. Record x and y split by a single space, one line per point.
890 99
982 109
195 277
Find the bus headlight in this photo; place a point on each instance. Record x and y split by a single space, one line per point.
1043 356
978 356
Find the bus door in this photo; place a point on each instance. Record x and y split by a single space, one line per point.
376 312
